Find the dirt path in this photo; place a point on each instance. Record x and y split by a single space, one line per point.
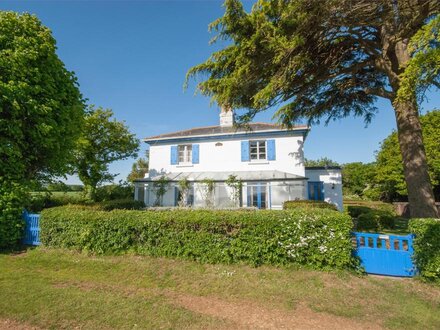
7 324
251 315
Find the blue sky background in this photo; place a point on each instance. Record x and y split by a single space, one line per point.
132 57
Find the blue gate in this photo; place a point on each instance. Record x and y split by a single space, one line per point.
32 229
386 254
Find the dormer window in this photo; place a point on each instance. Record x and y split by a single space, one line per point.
257 150
185 153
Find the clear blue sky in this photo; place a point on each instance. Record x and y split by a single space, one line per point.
132 57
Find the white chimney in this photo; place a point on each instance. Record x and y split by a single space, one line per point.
226 116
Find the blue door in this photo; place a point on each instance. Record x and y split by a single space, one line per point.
386 254
257 196
316 190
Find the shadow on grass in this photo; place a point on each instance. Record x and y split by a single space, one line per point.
17 250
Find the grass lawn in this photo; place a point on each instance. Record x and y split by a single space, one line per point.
60 289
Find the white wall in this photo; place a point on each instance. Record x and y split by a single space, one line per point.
332 179
288 150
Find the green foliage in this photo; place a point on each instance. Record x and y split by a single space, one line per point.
304 57
114 191
184 186
423 70
138 169
390 177
323 161
358 179
208 191
427 247
119 204
370 219
12 197
318 238
236 185
289 205
103 141
161 186
375 221
41 108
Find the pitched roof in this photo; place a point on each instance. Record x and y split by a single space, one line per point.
219 130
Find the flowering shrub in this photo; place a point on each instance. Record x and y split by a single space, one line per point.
317 238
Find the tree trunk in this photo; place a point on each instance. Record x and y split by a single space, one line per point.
90 192
409 130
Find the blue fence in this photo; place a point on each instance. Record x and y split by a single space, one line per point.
32 229
386 254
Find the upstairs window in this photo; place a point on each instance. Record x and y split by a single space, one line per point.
257 150
185 153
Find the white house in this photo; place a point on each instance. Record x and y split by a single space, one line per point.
260 165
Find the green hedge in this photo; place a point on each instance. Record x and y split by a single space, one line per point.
318 238
119 204
288 205
427 247
12 197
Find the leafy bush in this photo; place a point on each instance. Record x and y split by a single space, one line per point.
114 191
39 201
318 238
12 197
372 219
427 247
119 204
375 220
288 205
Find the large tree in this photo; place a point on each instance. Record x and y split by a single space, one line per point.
331 59
103 141
41 111
389 170
41 108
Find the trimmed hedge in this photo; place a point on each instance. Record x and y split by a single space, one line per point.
119 204
308 204
318 238
427 247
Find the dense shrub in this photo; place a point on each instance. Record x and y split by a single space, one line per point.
114 191
39 201
318 238
12 197
371 219
119 204
288 205
427 247
375 220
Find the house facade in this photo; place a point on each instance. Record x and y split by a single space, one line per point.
260 165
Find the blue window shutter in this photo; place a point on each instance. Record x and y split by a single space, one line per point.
195 153
271 150
244 151
174 155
